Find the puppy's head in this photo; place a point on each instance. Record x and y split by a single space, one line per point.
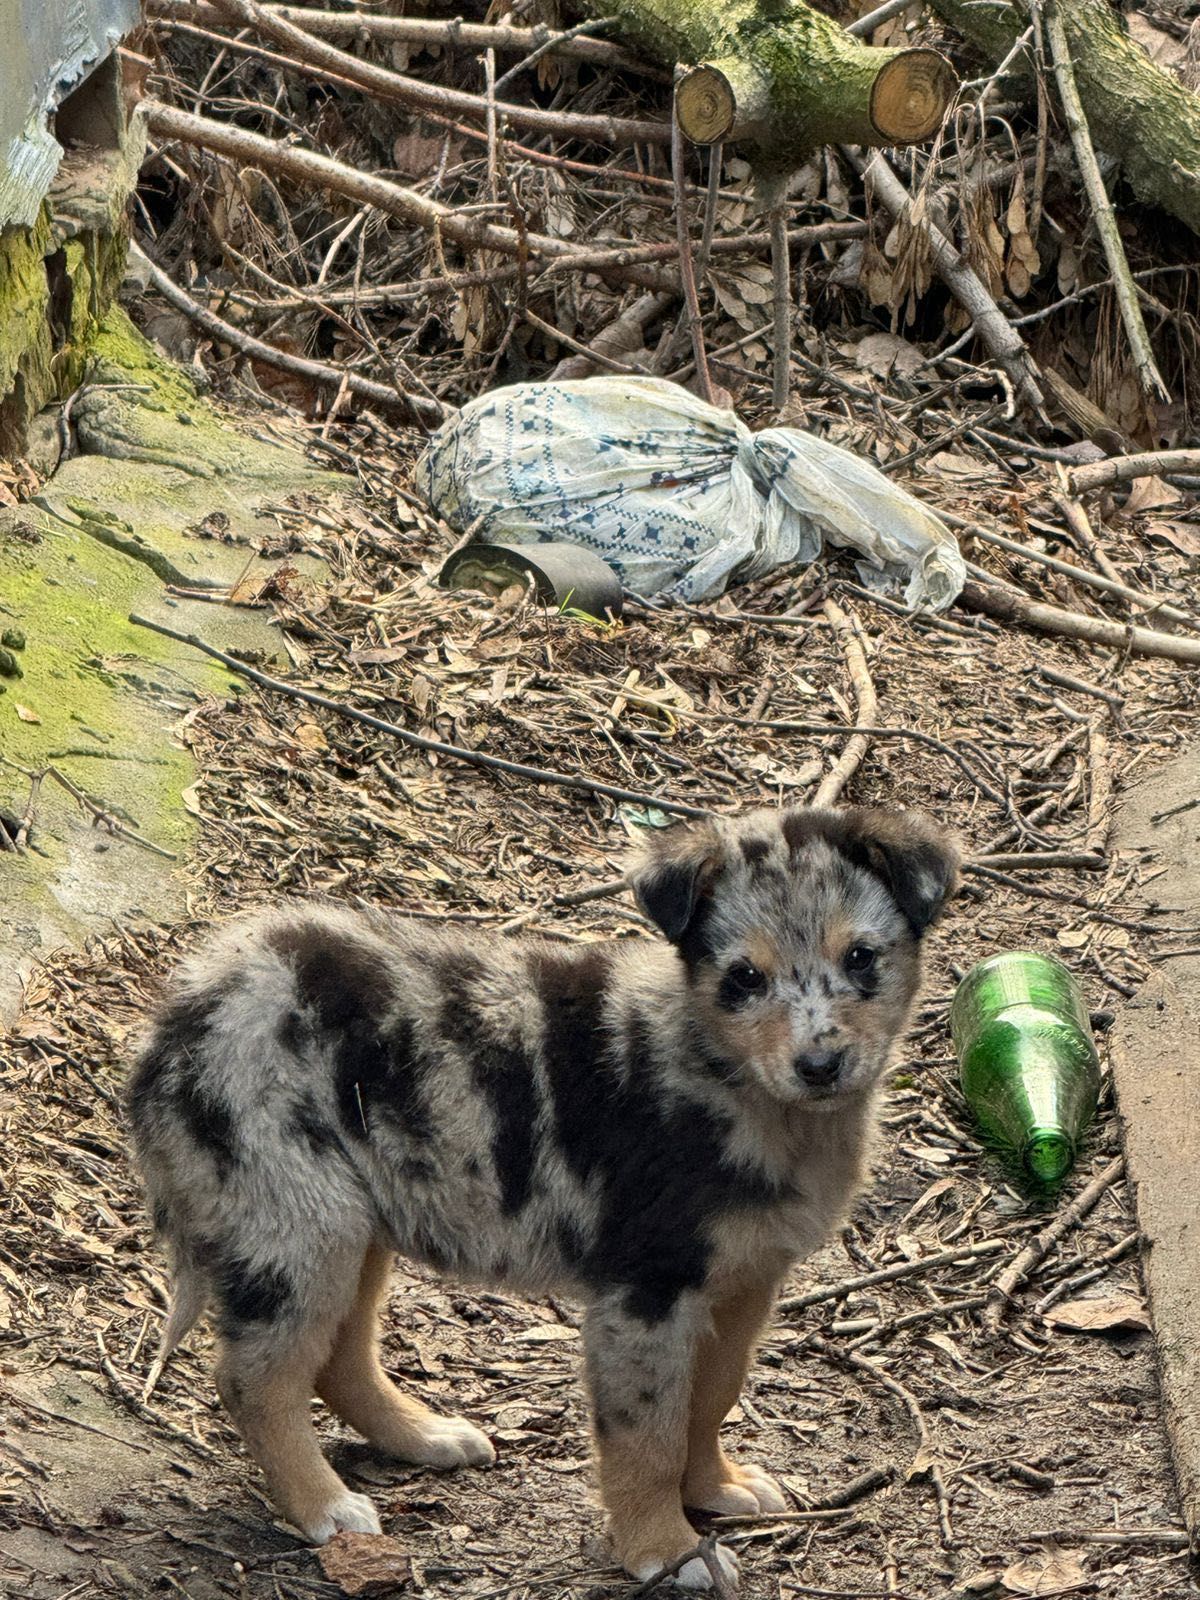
801 934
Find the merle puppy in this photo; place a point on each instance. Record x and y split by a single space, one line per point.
658 1128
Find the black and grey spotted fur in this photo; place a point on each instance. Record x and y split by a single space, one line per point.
659 1129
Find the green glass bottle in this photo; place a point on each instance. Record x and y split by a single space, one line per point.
1029 1068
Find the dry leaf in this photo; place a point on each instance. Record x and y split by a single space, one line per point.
310 735
925 1458
887 353
191 800
1148 494
1047 1572
365 1563
383 656
25 714
1159 46
944 1343
1073 938
1107 1313
547 1333
1180 534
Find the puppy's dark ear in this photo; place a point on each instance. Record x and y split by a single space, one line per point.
916 858
672 876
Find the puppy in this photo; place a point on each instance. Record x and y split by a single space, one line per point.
657 1128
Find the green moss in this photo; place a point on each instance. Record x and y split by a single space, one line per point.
25 347
120 354
106 693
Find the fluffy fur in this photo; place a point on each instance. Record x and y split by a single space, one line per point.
657 1128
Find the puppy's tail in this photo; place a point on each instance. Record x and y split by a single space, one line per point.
189 1297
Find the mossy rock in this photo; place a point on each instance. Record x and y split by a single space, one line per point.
101 699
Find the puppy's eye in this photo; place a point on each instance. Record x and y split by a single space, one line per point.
742 980
860 960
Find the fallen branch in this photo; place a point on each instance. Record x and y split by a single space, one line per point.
786 79
1012 605
619 339
847 764
881 1275
1103 214
419 741
100 817
1091 580
1124 469
315 53
1100 788
393 199
454 34
416 408
1001 1290
1089 860
1000 339
630 263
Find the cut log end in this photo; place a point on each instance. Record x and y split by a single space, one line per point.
902 102
910 96
721 100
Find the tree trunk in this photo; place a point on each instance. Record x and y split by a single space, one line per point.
1138 114
785 78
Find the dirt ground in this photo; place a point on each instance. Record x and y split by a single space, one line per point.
924 1455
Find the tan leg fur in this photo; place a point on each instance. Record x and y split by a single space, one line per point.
268 1393
711 1481
354 1385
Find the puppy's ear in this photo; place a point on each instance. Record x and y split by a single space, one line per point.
916 858
672 876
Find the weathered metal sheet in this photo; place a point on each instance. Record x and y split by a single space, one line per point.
46 47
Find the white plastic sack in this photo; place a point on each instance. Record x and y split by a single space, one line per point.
676 495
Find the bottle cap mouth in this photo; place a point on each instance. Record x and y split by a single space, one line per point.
1048 1156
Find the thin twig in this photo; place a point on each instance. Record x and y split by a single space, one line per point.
927 1460
414 407
1090 580
381 81
1000 1292
781 306
691 295
454 34
99 815
476 758
1149 377
1100 789
903 1269
847 764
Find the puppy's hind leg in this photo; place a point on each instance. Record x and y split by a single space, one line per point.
276 1335
353 1384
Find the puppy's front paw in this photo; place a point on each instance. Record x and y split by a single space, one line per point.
350 1512
453 1442
694 1574
735 1491
763 1487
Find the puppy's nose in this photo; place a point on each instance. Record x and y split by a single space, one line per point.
820 1068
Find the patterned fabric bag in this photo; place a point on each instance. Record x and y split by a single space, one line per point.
676 495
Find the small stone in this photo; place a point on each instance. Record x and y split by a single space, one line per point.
13 638
9 666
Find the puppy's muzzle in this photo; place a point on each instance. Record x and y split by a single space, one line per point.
820 1069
